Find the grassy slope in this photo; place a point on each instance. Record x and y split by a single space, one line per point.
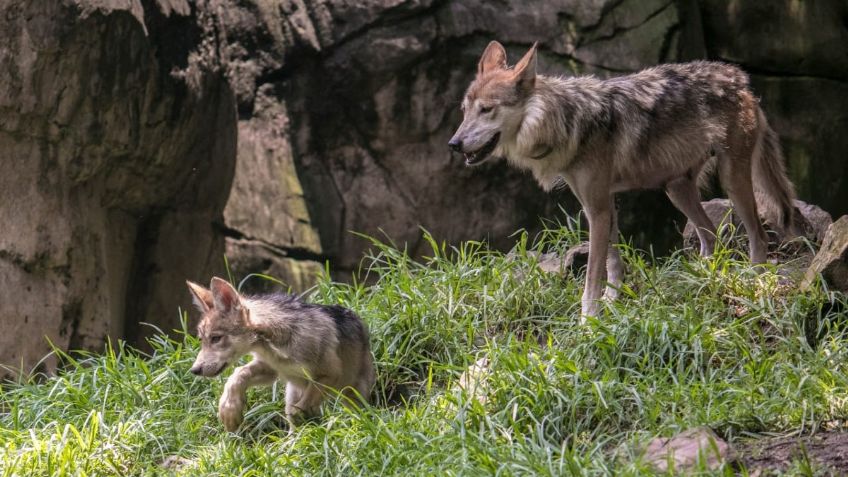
690 342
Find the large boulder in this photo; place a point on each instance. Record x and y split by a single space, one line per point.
813 220
113 172
831 262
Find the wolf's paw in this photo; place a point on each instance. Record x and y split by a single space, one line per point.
230 411
611 294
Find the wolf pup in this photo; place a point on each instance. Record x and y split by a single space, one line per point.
315 349
657 128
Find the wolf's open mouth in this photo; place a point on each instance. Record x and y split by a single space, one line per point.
472 158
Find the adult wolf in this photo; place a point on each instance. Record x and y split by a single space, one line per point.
313 348
657 128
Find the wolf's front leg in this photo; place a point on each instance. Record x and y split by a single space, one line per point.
231 404
599 236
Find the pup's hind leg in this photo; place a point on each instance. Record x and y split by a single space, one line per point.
302 402
231 403
364 381
684 194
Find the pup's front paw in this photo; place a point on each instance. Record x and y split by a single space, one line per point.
230 410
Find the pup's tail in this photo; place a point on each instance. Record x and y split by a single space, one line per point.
774 192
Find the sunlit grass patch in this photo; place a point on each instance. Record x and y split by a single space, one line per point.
690 342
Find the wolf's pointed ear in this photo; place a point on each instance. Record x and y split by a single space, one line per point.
525 70
225 297
201 297
494 57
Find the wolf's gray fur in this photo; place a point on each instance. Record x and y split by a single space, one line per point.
657 128
313 348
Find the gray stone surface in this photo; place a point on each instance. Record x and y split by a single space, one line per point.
831 261
686 450
113 172
795 52
813 219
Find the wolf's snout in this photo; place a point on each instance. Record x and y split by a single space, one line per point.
196 369
455 145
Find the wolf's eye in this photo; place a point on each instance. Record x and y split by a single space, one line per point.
486 109
215 339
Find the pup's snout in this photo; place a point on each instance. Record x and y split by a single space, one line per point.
196 369
455 145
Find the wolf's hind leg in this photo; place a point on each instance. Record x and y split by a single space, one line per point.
615 267
231 403
684 194
735 172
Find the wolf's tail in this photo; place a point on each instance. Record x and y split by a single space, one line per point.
775 193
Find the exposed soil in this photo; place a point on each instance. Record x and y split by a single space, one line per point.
826 451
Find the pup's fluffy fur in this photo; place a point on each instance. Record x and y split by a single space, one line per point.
315 349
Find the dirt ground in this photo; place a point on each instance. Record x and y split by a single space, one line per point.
826 451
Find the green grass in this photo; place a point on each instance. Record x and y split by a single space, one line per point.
690 342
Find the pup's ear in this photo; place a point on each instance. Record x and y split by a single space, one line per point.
201 297
525 70
225 297
494 57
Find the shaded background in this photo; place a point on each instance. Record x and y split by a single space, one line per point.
141 141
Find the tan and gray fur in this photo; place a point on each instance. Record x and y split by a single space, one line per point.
317 350
658 128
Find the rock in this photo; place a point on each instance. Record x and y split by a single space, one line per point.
474 380
803 85
831 261
175 462
686 449
575 258
630 35
247 257
735 32
803 111
114 172
267 216
813 219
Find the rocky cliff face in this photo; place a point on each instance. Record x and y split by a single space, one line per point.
796 55
143 139
113 172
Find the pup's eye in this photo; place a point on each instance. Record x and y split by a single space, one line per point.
486 109
215 339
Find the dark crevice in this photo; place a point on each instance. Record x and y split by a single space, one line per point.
760 71
71 316
668 41
619 30
141 281
294 253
